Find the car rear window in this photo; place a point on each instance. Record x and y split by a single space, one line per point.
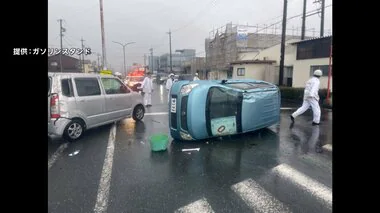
66 87
87 86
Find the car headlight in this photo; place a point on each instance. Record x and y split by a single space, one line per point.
186 136
186 89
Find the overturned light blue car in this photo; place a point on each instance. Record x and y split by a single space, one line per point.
205 109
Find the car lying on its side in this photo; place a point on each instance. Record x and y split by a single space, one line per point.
203 109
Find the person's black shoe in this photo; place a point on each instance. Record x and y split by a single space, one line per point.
292 118
315 123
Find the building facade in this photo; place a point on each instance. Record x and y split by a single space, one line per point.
302 58
155 62
179 59
311 55
69 64
231 44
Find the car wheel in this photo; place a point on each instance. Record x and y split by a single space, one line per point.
74 130
138 113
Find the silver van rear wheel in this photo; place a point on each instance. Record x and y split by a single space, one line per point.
74 130
138 113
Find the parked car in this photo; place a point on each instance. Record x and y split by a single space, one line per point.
162 79
185 77
204 109
80 101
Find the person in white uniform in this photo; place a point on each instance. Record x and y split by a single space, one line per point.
169 84
196 77
147 88
311 98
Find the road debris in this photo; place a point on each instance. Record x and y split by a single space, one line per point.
193 149
74 153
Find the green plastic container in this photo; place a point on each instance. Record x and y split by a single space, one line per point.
158 142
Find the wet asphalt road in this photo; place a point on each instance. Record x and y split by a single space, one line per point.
283 168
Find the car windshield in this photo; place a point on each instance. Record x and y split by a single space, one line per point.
222 102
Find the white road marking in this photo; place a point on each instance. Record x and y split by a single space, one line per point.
318 160
327 147
56 154
257 198
199 206
320 191
105 180
165 113
156 113
287 108
193 149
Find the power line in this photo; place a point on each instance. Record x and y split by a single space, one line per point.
68 43
289 19
196 16
271 19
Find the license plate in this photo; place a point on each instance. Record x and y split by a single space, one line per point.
173 107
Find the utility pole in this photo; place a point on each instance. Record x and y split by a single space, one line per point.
283 44
158 64
61 30
151 56
104 58
170 47
98 62
83 69
144 60
322 17
303 20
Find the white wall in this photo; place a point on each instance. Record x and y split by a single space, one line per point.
274 53
253 71
88 68
301 72
301 68
247 56
217 75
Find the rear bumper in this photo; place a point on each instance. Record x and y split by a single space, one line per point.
56 127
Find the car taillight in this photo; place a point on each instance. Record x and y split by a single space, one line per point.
54 106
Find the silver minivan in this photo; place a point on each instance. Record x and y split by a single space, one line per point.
81 101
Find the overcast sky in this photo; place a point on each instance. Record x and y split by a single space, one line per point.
147 21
